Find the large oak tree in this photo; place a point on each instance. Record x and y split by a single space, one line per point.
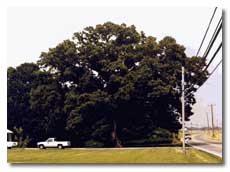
109 85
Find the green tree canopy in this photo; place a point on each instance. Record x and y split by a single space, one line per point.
109 85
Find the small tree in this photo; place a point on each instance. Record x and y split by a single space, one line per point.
22 140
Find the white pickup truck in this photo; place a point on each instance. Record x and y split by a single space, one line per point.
11 144
52 143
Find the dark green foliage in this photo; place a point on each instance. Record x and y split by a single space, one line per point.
108 86
19 83
35 102
159 136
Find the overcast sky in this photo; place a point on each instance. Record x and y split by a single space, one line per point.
31 30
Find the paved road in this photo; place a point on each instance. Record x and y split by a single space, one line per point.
213 147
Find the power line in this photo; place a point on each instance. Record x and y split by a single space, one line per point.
206 31
212 72
213 39
211 42
215 33
214 55
208 76
216 67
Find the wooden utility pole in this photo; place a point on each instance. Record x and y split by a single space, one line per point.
207 121
211 106
182 110
191 127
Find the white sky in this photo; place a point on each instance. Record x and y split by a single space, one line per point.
31 30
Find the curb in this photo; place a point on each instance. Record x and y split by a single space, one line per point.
205 150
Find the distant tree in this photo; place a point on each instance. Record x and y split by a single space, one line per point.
35 102
20 80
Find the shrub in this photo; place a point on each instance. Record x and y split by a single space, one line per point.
93 143
161 136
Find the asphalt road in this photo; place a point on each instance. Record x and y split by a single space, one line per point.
213 147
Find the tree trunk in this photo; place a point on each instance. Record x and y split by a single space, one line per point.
114 135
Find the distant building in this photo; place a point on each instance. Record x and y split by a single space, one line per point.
10 139
9 135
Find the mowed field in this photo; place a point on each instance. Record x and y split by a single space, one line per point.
217 135
121 155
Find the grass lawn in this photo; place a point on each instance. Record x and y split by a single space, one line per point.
139 155
217 135
208 134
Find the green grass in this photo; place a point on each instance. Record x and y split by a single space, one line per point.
217 135
140 155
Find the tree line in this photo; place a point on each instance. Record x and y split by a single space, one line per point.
108 86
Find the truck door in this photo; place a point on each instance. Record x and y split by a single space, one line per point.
49 142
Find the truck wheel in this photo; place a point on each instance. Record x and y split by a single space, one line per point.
41 147
60 147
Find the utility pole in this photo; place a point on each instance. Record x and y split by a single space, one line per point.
213 134
183 110
191 127
207 121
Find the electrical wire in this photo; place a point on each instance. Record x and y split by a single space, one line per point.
206 30
207 77
213 39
